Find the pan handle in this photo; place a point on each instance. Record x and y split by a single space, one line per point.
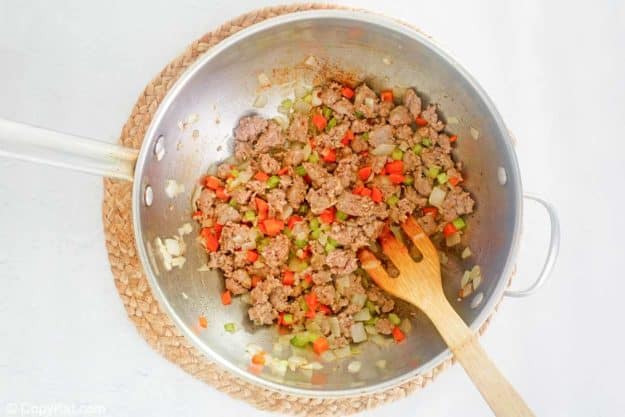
552 253
34 144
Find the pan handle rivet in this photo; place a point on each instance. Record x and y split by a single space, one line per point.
148 196
159 148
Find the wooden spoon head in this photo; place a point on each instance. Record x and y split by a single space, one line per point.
418 282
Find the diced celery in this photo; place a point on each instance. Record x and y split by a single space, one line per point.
341 215
409 180
359 114
249 216
315 233
397 154
301 243
314 223
300 339
326 112
234 172
273 181
442 178
426 142
308 98
230 327
233 203
392 200
417 149
331 124
365 136
329 247
300 170
303 209
433 171
287 318
394 319
313 158
459 223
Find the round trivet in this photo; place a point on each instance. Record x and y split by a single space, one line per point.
152 323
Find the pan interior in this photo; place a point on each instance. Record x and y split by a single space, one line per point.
221 87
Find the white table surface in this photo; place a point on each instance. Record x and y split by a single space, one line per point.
556 72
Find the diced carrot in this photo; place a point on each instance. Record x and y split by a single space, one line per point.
259 358
196 215
272 227
364 173
212 243
262 208
310 314
433 211
376 195
203 322
347 92
255 369
421 121
319 378
366 192
453 138
218 228
327 215
358 189
319 121
455 181
398 335
222 194
311 301
261 176
251 256
329 155
308 279
449 229
395 167
324 309
226 297
283 171
320 345
293 220
397 178
288 278
212 182
386 95
347 138
255 280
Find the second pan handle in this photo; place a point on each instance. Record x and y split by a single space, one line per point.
34 144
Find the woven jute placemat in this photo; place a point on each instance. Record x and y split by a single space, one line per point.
143 309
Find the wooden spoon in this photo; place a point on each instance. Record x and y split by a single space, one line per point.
420 283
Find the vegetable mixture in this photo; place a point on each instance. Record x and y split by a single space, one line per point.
284 219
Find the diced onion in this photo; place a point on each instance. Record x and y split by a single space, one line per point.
466 278
383 149
306 151
315 366
452 240
311 61
357 331
381 340
371 330
466 253
343 352
279 367
282 121
185 229
359 300
443 257
253 349
328 356
452 120
172 188
263 80
295 362
335 327
301 90
342 282
173 247
316 97
301 106
178 261
476 282
242 178
369 102
354 367
437 196
405 325
260 101
362 315
475 134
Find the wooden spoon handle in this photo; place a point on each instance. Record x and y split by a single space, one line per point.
494 387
